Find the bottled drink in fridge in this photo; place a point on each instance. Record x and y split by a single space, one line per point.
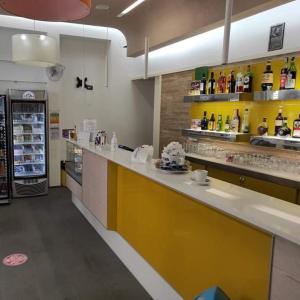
227 124
222 83
203 85
219 123
212 122
239 81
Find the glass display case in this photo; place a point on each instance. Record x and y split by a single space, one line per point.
74 162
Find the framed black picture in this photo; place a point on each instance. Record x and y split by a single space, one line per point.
276 37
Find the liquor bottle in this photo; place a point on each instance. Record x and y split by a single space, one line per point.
222 83
263 128
267 80
236 121
284 74
296 128
211 84
227 124
203 85
228 86
212 122
232 82
219 123
284 130
204 122
248 78
239 81
291 75
278 121
245 122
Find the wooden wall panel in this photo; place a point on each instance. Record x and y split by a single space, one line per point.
175 114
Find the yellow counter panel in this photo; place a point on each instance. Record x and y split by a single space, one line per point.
192 245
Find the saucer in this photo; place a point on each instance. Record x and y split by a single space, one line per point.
204 183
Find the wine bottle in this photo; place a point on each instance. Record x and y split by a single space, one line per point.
278 121
235 123
284 130
267 80
296 128
203 85
204 122
211 84
219 123
228 86
284 74
263 128
232 82
245 122
227 124
291 75
239 81
248 78
212 122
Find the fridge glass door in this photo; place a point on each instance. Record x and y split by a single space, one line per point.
3 150
29 139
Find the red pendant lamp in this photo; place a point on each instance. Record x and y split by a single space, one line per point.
48 10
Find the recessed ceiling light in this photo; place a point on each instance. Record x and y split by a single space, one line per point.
102 7
130 8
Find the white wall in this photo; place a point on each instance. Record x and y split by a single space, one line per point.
249 40
123 106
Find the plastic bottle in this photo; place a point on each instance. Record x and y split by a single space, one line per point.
114 142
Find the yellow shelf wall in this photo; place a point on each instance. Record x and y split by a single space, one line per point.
258 110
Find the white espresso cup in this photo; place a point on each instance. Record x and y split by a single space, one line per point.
200 175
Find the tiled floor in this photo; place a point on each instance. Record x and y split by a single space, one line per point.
68 260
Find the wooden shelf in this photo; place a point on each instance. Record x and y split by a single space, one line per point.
231 97
277 95
221 135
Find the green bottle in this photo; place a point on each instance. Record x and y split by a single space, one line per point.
219 123
227 124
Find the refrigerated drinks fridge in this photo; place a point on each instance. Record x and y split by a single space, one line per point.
29 142
4 162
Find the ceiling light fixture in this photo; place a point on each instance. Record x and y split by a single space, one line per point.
130 8
54 10
34 50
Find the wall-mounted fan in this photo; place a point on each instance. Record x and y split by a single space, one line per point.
56 72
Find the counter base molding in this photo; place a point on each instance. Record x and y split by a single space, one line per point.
152 282
191 245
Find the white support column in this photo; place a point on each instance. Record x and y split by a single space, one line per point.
227 28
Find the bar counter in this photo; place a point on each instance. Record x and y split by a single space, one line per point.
193 236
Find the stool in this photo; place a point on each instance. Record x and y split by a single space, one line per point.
214 293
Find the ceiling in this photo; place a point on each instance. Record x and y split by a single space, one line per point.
166 21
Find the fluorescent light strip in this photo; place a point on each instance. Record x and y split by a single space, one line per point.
130 8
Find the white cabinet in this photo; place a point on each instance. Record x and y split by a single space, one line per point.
94 185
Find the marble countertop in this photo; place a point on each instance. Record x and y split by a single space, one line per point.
270 214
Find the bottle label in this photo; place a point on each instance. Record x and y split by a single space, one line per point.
278 123
283 79
296 132
267 78
201 86
235 125
290 82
